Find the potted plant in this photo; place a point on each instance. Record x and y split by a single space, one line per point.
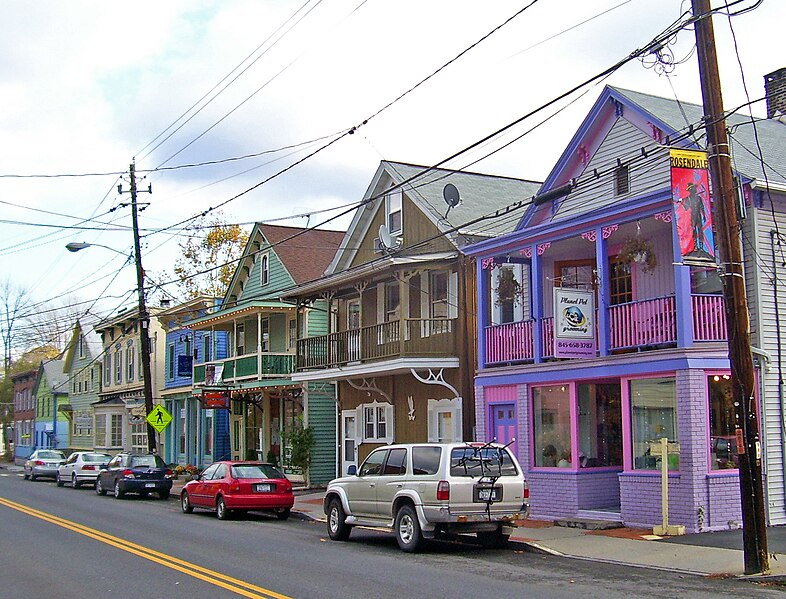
508 288
639 251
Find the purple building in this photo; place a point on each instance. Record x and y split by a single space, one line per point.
602 326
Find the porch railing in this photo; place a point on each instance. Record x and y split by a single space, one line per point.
642 325
408 337
273 365
709 318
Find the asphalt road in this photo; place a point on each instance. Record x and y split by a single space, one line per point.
66 543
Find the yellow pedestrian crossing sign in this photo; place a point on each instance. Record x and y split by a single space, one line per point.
159 418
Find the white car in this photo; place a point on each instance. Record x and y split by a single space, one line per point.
81 467
437 490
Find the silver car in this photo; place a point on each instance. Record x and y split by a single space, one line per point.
436 490
43 462
81 467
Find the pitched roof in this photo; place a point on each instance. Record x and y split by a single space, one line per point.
743 133
481 195
55 377
305 253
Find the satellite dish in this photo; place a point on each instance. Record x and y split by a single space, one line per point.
384 237
451 194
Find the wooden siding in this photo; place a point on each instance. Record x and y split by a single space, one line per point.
757 246
321 417
278 277
318 319
646 175
416 228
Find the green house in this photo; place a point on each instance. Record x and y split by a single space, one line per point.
262 333
82 368
50 392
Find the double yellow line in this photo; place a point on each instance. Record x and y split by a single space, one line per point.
210 576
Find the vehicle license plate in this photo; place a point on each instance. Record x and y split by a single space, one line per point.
488 493
263 488
150 485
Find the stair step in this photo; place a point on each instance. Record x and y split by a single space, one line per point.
588 524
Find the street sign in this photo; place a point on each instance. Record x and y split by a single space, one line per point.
159 418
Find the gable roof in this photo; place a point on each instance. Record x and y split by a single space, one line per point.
481 195
305 253
743 131
92 345
55 377
673 120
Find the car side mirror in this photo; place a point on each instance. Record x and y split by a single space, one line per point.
352 470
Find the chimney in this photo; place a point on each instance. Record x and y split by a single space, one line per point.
775 90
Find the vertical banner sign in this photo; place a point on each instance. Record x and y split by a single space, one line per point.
690 192
574 323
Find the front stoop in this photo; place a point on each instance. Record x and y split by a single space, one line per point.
587 524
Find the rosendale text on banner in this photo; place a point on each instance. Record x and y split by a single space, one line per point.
690 192
574 323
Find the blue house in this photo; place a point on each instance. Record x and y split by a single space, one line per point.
199 433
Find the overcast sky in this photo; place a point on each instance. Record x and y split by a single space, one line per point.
86 87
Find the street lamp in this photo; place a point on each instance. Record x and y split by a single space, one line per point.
144 318
75 246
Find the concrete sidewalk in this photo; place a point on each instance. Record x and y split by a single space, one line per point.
625 546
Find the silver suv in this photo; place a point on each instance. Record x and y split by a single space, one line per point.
431 490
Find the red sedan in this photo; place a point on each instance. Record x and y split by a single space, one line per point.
227 487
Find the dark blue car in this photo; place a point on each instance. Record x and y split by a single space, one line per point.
135 473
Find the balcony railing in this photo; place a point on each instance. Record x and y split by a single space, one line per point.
642 325
409 337
245 367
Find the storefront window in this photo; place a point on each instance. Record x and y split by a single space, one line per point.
600 425
551 416
723 446
653 413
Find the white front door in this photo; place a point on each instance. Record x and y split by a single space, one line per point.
349 449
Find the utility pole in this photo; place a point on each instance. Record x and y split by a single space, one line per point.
754 530
144 318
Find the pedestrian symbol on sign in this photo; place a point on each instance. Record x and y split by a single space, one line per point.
159 418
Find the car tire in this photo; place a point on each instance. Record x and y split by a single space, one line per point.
33 476
58 481
75 483
163 494
100 490
185 503
493 539
118 492
407 528
222 513
283 514
338 529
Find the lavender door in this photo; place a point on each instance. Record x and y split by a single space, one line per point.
503 424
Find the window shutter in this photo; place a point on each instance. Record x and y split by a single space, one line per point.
391 425
453 295
432 421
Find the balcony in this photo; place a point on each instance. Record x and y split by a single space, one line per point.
249 367
642 325
407 338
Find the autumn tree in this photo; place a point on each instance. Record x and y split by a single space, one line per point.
209 256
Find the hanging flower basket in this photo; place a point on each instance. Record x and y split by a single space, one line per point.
639 251
508 288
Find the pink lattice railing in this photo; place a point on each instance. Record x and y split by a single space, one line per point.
643 323
509 342
709 318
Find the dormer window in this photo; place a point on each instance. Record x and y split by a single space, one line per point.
264 270
393 211
81 344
